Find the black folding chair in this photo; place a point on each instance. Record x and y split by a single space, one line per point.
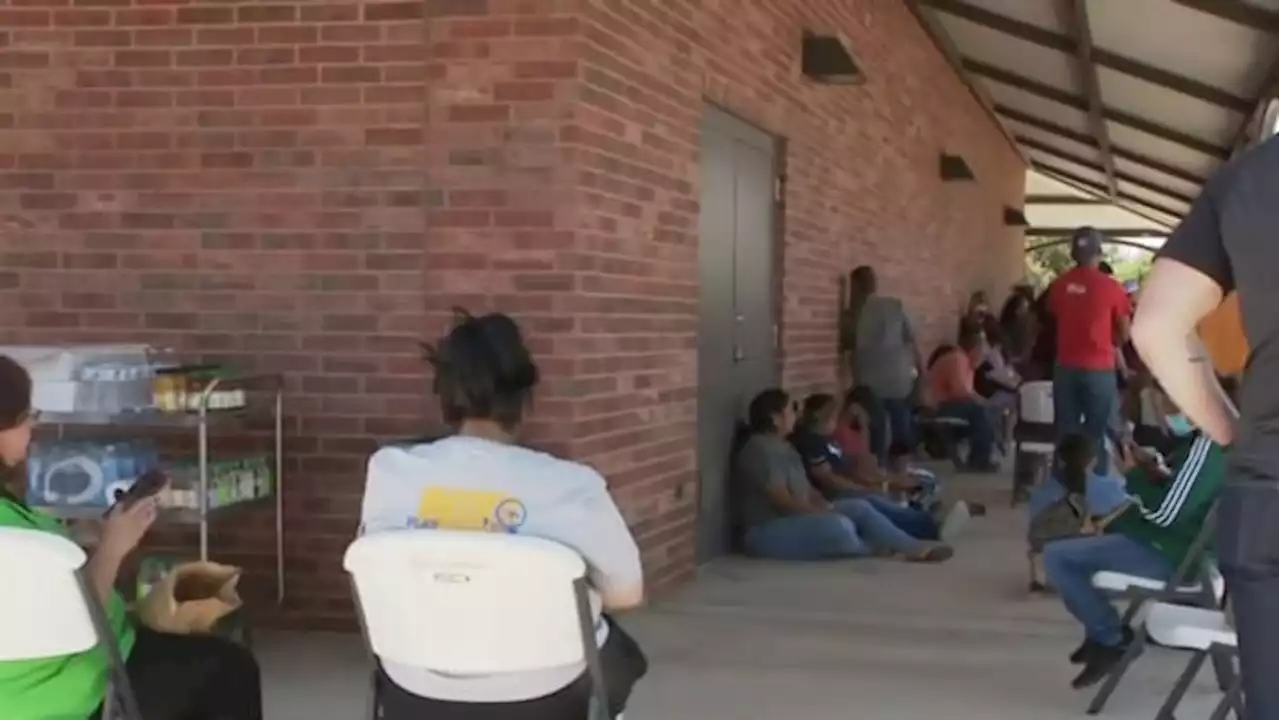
1193 583
120 702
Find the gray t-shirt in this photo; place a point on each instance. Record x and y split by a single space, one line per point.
466 483
884 350
765 462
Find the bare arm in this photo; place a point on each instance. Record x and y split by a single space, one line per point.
103 569
1175 297
832 482
1188 280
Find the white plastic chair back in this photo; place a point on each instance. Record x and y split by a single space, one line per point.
1035 402
469 602
43 612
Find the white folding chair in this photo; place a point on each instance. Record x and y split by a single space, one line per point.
1196 582
1034 437
46 580
1207 634
474 603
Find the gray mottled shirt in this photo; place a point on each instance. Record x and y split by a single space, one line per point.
765 462
884 351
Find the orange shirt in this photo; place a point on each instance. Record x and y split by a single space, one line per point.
1223 336
950 378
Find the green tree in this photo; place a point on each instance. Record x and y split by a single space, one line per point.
1046 263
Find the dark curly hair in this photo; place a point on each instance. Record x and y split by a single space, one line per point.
483 370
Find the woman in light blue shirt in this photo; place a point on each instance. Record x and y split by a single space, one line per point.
482 479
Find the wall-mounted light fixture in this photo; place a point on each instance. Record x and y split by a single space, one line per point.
954 168
1014 217
827 59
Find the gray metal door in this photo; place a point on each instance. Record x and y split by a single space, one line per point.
737 309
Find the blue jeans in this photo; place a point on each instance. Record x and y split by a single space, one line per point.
901 416
1085 402
982 434
915 522
1069 565
837 534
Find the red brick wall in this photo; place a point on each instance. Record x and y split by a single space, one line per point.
243 181
863 187
309 187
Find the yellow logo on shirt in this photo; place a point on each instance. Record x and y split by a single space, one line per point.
461 509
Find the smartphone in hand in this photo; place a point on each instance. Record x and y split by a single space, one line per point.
149 485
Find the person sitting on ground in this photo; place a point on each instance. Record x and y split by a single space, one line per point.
836 478
482 479
785 518
852 433
192 677
1149 538
950 384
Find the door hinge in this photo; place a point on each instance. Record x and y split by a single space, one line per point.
779 188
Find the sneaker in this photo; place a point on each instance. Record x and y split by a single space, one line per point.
933 553
1081 654
1099 662
955 521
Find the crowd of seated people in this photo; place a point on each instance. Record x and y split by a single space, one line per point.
785 513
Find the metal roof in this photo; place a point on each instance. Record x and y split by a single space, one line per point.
1055 209
1134 101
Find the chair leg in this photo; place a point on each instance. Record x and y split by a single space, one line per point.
1180 687
1113 680
372 700
1232 700
1224 667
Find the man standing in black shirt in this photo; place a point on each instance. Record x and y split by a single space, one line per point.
1228 242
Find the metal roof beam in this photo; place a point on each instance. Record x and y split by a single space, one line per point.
1110 232
1037 146
1068 99
1124 154
1103 58
1063 200
1089 186
1078 13
1250 16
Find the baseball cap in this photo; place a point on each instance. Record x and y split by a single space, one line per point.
1086 244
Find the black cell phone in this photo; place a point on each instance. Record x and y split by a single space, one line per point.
150 484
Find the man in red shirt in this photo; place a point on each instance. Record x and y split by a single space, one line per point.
1091 312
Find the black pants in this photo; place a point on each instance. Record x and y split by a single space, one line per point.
620 656
1247 555
194 677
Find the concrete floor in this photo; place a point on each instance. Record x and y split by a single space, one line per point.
859 639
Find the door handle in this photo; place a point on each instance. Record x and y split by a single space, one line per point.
738 354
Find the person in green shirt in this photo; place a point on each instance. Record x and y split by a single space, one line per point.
175 677
1167 508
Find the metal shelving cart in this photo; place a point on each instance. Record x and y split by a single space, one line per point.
202 419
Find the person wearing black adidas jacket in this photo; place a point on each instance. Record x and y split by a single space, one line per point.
1149 538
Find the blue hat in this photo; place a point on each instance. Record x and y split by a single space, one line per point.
1086 244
